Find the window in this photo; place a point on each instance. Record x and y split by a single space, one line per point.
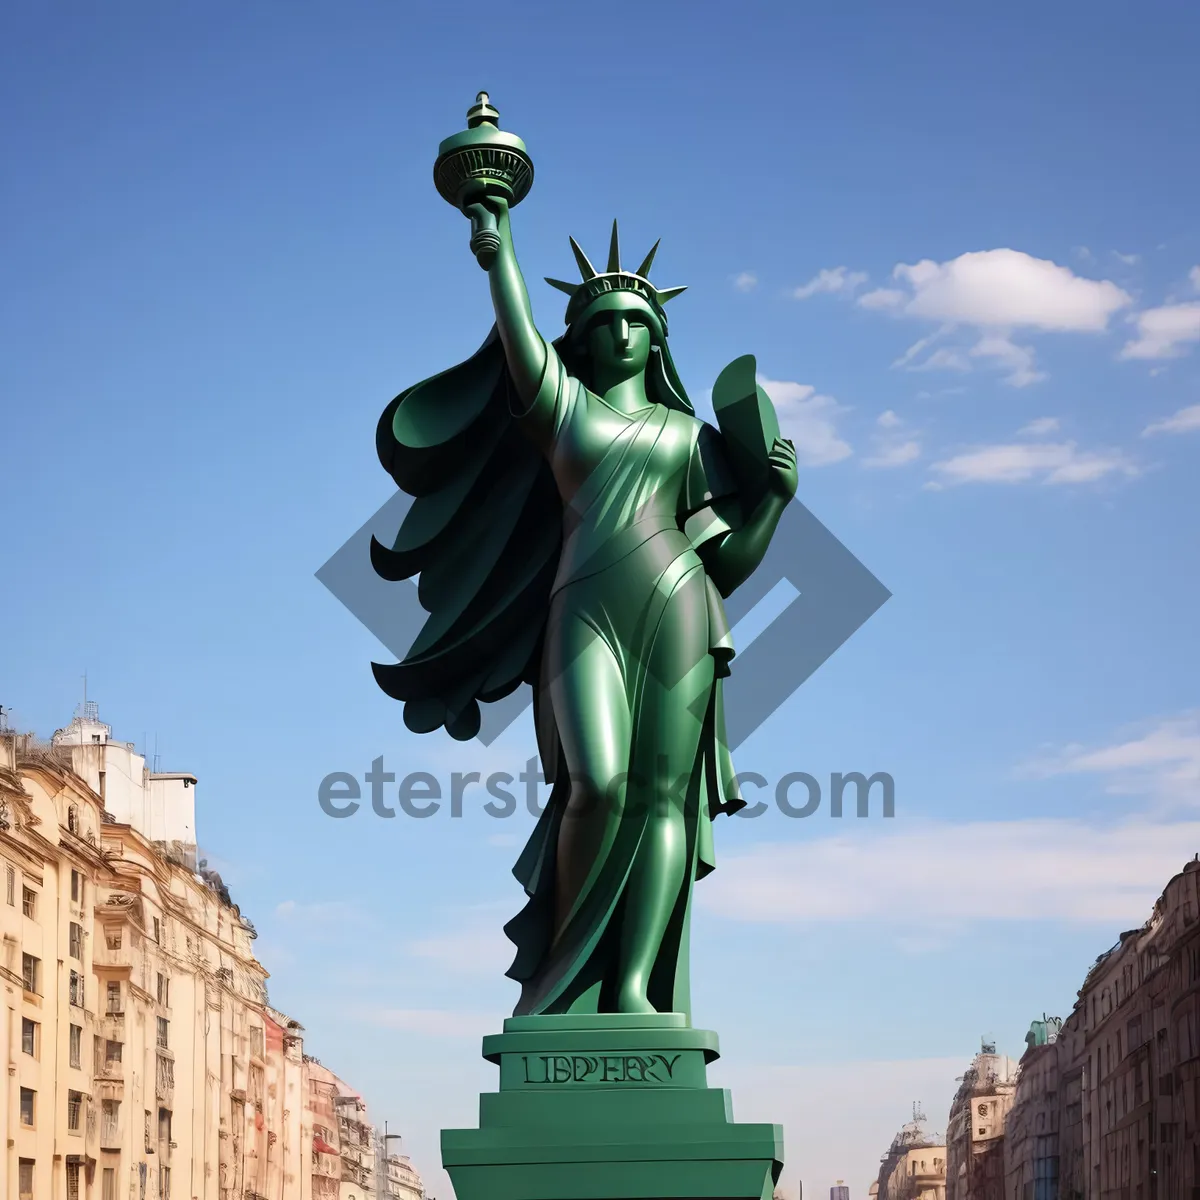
164 1183
10 885
28 901
164 1125
29 1031
76 932
112 1053
164 990
166 1074
164 1027
110 1116
157 930
76 887
74 1110
27 1095
25 1179
31 973
108 1188
76 1045
72 1181
114 998
75 989
113 940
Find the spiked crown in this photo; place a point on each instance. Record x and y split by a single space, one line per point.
613 279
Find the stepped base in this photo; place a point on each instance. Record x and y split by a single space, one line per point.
608 1108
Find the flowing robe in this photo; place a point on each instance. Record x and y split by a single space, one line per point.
558 547
629 695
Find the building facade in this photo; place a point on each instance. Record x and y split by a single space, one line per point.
1128 1062
396 1177
975 1128
914 1167
1031 1131
144 1062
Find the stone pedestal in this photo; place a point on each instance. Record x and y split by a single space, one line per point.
608 1108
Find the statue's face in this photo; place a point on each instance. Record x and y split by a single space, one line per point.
619 345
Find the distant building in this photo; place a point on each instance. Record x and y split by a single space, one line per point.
914 1167
395 1176
839 1191
975 1129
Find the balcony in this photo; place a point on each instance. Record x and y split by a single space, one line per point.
116 963
109 1070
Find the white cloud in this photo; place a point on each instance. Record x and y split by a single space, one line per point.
1130 260
1053 870
1002 289
994 292
893 445
1164 332
944 359
1161 760
831 280
810 420
883 298
897 454
1194 278
747 281
1039 427
1017 360
1022 462
1186 420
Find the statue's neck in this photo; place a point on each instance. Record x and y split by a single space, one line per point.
627 396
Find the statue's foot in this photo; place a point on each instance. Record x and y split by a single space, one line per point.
633 1000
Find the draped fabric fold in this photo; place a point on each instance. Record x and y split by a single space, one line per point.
558 547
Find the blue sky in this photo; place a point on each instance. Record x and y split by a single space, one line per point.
963 245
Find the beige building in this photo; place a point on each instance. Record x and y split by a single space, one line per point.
144 1062
914 1168
50 856
395 1176
975 1128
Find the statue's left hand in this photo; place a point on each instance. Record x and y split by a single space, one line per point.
783 473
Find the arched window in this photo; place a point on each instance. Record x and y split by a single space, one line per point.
73 818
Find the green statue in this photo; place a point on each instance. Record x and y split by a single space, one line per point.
575 528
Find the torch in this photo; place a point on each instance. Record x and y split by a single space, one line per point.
479 162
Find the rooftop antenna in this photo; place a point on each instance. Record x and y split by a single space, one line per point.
918 1112
154 766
